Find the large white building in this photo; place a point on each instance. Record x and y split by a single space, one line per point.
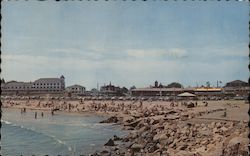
40 86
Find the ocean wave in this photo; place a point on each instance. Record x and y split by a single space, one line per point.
32 129
6 122
60 141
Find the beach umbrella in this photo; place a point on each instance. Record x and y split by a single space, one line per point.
186 94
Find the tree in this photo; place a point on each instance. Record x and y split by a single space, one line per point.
2 80
208 84
124 90
174 85
133 87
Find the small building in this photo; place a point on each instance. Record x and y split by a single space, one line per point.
172 89
156 91
76 89
237 88
110 89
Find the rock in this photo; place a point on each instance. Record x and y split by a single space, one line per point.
215 130
133 124
128 119
218 125
183 153
112 119
95 154
205 133
158 137
116 138
136 147
214 150
224 129
238 140
171 117
201 150
104 152
110 143
154 122
217 138
204 142
152 148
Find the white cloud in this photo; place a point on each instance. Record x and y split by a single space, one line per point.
49 62
65 50
155 53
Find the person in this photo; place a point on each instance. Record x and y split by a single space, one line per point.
52 112
42 114
35 115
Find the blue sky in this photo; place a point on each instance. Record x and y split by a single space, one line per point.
127 43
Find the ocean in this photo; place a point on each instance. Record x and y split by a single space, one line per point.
60 134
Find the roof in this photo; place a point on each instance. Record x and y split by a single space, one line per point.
15 83
76 86
237 81
47 79
186 94
208 89
158 89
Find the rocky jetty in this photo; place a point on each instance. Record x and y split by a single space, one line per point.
173 134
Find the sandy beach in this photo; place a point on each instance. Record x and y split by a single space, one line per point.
162 127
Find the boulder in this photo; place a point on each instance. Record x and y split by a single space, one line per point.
112 119
116 138
224 129
171 117
136 147
184 153
183 147
238 140
134 123
110 143
153 122
158 137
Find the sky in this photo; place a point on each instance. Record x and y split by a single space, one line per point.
125 42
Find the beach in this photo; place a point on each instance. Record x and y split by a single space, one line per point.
159 127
